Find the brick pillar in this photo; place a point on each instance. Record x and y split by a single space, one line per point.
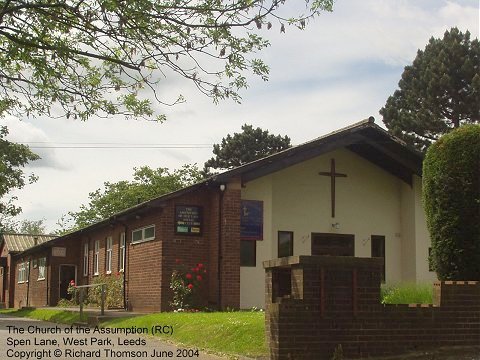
230 245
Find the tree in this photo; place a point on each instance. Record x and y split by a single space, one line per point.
32 227
13 157
114 197
438 92
105 57
241 148
451 195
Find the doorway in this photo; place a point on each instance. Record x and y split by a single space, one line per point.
67 274
333 244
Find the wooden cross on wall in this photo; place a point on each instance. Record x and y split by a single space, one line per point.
332 175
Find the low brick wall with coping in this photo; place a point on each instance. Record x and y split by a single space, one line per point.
316 303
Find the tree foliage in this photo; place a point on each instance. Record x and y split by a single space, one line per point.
88 57
438 92
451 192
32 227
13 157
147 184
249 145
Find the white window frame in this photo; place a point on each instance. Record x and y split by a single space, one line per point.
96 258
21 273
121 261
85 259
108 255
41 268
143 239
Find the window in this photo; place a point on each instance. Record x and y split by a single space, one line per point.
85 259
21 272
378 250
41 268
248 256
285 243
121 262
108 256
143 234
95 257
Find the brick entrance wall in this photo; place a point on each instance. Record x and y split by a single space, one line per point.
335 301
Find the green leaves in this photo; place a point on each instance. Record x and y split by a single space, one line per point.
451 196
241 148
85 57
13 157
438 92
147 184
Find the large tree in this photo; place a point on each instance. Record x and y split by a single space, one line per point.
438 92
13 158
241 148
147 184
32 227
85 57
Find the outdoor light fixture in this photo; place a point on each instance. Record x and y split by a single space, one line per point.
336 225
222 187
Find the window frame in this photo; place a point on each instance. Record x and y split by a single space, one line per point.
96 258
21 273
121 252
291 239
42 268
143 239
86 249
250 263
108 255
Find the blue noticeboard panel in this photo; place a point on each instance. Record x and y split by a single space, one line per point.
251 220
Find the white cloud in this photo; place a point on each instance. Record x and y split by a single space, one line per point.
341 69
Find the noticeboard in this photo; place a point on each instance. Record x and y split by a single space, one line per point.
251 220
188 220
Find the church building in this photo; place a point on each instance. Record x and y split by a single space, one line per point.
354 192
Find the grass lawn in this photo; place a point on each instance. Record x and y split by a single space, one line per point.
234 333
407 294
52 315
231 333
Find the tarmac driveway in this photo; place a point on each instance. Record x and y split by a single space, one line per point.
23 338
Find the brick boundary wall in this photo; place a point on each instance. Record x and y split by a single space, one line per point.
315 303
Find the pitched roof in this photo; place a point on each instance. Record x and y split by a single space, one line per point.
364 138
22 242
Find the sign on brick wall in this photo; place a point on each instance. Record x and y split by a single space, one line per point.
59 251
188 220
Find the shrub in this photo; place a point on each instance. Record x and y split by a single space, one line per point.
114 294
186 284
451 195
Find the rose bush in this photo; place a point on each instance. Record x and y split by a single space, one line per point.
186 283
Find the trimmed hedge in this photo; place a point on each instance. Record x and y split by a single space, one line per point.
451 195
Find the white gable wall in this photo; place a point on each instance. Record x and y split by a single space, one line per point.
369 201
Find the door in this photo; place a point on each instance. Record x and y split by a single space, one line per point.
333 244
67 274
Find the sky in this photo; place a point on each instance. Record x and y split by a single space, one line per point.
339 70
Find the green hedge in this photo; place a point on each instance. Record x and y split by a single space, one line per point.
451 195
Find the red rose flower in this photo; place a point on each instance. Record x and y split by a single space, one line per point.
196 269
199 278
72 282
190 286
188 276
200 266
177 261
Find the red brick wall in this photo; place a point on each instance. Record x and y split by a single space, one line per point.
336 301
149 265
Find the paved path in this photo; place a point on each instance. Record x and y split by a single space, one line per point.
23 338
